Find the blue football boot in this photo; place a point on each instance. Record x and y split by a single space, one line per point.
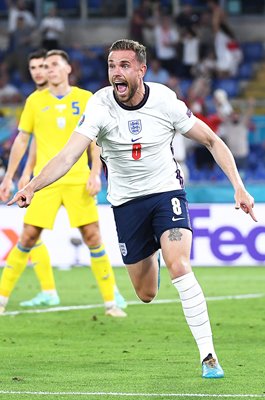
42 299
119 299
211 368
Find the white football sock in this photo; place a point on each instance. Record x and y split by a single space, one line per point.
3 301
195 310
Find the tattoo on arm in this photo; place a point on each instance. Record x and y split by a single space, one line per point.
174 234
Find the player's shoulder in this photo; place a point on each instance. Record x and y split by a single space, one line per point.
161 95
81 92
37 96
165 99
103 96
78 89
104 92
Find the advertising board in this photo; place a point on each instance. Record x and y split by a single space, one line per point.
221 236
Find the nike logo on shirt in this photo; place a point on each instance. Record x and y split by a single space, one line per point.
135 140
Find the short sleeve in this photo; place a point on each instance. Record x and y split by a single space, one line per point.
182 116
90 122
26 123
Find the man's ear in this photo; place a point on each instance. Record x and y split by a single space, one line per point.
69 69
143 70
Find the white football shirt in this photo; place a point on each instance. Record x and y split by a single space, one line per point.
136 141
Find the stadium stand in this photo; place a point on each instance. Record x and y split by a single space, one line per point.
253 51
230 86
245 71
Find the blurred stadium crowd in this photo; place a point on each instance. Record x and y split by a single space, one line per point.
191 47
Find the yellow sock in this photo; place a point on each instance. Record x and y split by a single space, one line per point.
15 264
42 266
102 270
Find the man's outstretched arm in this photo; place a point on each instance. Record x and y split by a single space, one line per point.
224 158
53 170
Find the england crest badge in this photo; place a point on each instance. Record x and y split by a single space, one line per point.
135 126
123 249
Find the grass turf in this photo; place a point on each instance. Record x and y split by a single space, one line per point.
150 351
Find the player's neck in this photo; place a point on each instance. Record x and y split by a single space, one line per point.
60 90
41 87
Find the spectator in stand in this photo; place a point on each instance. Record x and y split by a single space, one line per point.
140 20
110 8
156 73
9 94
222 104
205 33
207 66
228 52
197 93
77 73
218 14
190 53
187 18
17 9
166 41
174 84
226 46
204 160
51 29
196 100
235 133
17 59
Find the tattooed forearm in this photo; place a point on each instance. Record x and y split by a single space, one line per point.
174 234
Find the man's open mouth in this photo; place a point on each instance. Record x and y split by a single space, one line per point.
121 87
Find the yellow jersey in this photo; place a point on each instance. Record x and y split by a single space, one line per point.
52 120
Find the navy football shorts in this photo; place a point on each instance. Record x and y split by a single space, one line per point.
141 222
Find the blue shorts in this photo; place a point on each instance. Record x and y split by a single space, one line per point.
141 222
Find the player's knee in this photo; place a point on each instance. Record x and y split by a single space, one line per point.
146 297
28 239
179 267
91 235
92 240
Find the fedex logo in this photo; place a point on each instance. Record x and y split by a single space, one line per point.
227 242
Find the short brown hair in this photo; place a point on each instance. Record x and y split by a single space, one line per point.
60 53
127 44
41 53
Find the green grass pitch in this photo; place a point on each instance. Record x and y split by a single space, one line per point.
82 354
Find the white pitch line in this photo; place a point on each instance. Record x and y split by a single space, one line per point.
135 395
93 306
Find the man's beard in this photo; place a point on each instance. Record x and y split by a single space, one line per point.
132 91
42 84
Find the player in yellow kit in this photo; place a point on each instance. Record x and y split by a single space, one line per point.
39 255
59 107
